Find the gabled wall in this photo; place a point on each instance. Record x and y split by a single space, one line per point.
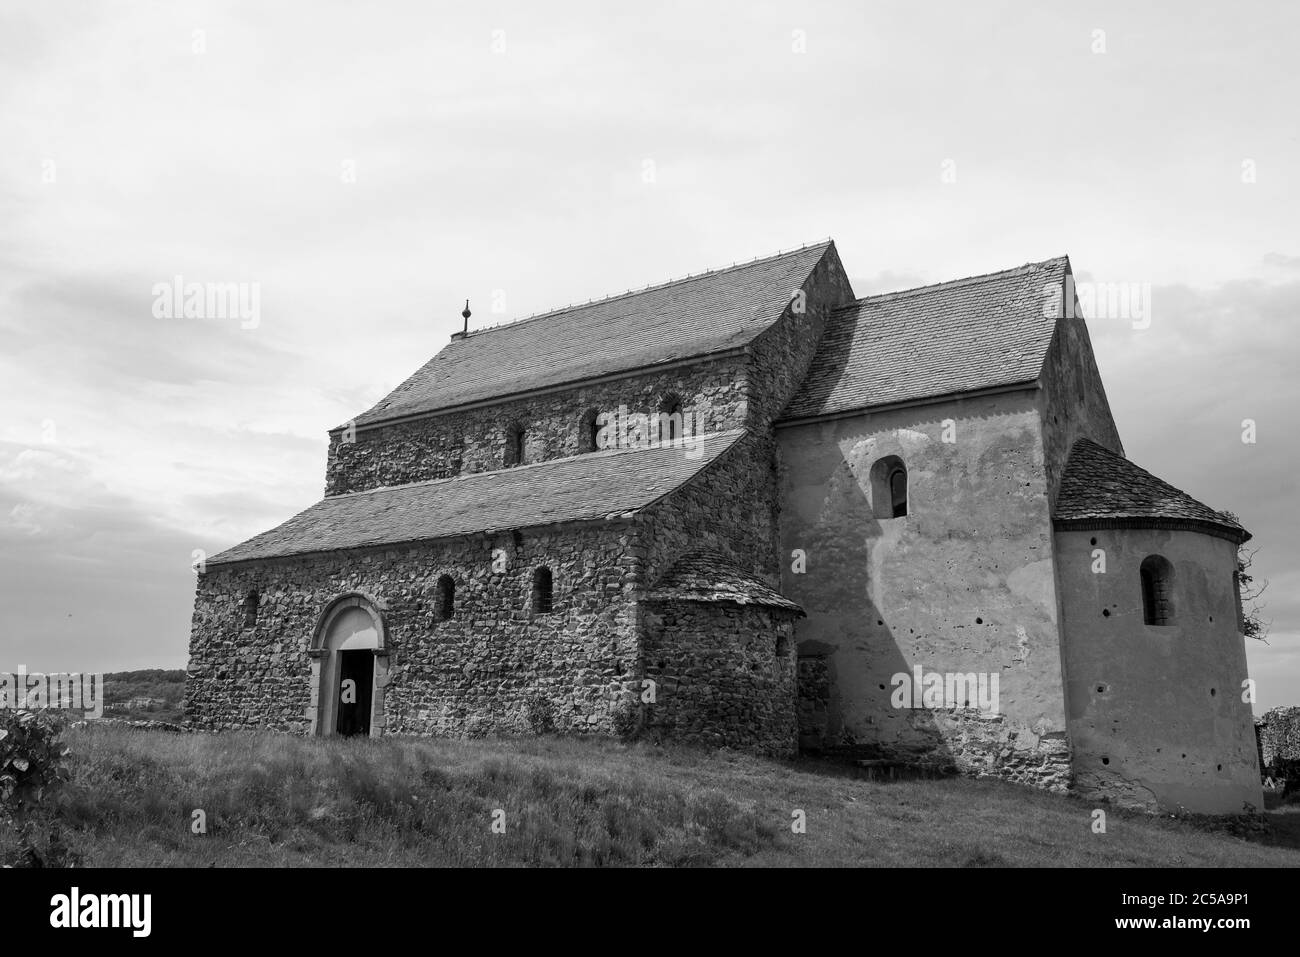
728 507
1072 398
780 357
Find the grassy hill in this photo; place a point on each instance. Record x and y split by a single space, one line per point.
124 692
279 800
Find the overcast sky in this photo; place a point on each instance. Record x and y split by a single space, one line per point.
370 166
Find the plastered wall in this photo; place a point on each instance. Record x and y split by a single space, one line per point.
1156 716
963 584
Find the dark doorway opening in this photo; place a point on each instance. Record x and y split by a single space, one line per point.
356 678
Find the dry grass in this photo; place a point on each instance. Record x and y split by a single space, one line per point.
278 801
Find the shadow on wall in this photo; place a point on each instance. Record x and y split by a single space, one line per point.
847 651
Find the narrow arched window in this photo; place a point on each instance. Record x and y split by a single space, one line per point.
542 593
516 445
589 431
251 601
1157 590
889 488
446 598
898 491
669 419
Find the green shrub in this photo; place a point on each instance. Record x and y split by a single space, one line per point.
31 758
32 771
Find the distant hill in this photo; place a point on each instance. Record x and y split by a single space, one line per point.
151 694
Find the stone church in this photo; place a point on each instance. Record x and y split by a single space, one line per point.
750 509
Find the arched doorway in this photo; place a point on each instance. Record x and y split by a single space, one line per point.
349 669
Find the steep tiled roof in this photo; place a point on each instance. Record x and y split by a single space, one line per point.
691 317
593 486
959 336
1100 486
708 576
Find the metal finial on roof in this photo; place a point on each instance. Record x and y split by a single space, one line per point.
465 314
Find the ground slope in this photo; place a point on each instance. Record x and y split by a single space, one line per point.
280 800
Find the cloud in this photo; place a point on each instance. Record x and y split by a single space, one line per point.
890 281
1282 261
95 582
1212 358
103 332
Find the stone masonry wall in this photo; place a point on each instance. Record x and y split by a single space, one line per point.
1279 738
475 440
813 678
718 680
724 675
494 667
729 507
780 357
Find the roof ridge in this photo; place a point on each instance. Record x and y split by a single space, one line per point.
512 469
689 277
911 290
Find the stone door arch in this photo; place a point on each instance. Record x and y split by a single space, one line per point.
350 631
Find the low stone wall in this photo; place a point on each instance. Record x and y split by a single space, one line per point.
1278 737
135 725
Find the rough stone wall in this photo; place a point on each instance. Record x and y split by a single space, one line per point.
813 682
1279 737
475 440
962 584
729 507
1155 713
1073 400
780 357
494 667
724 675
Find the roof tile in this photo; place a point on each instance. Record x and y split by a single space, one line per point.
703 314
580 488
708 576
959 336
1100 485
